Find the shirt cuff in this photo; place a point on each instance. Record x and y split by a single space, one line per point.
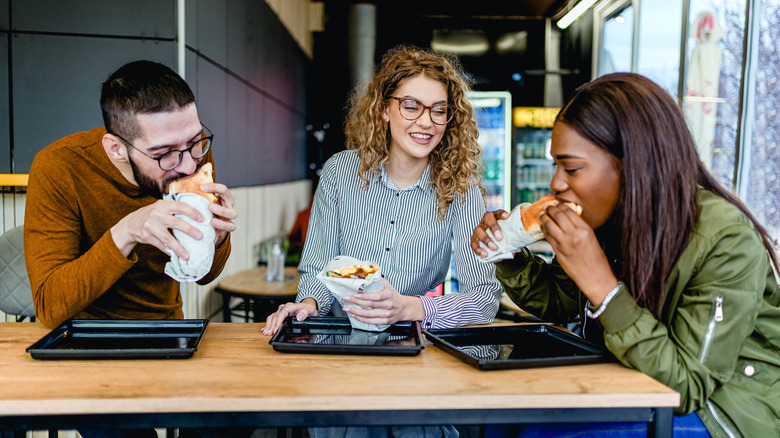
430 312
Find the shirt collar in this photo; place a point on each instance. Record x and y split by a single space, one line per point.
424 183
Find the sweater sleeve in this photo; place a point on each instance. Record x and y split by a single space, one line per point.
64 281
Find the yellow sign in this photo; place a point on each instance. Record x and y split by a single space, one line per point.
535 117
13 179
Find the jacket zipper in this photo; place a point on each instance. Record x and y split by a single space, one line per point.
716 318
718 419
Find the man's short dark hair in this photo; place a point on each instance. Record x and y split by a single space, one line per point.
141 87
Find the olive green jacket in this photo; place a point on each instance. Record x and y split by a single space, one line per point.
718 340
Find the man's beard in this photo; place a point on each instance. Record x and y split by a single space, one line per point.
146 182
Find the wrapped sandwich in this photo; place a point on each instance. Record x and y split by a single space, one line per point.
521 228
192 183
347 276
201 251
353 271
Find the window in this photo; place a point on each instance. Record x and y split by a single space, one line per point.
736 128
760 167
616 48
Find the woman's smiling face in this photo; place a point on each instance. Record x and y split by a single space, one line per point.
415 139
585 174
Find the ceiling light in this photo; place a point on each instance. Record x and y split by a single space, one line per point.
575 12
461 42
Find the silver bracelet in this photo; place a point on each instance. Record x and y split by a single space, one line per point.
604 303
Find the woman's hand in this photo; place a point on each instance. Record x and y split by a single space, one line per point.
489 220
300 311
387 306
578 251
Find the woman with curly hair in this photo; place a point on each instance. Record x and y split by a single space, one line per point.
405 193
665 267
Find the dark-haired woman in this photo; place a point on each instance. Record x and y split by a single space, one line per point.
664 266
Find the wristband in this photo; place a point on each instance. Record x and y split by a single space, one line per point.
604 303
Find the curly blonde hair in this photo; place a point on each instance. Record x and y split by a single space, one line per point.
456 162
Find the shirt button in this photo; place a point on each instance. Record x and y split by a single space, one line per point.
387 249
750 370
397 194
392 222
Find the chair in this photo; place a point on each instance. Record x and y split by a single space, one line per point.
15 293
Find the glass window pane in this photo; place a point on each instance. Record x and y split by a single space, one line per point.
713 77
616 47
658 50
763 168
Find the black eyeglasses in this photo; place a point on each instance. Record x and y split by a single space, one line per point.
171 159
411 109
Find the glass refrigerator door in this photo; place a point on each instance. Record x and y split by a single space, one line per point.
493 111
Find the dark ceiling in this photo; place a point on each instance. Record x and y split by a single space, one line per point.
509 33
475 8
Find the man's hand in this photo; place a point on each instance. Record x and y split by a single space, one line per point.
224 213
152 225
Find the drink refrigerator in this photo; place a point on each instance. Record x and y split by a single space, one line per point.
533 165
493 114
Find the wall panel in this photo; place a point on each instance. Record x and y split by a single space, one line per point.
57 83
4 17
238 117
137 18
207 28
246 49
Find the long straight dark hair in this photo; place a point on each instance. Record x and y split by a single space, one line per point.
637 121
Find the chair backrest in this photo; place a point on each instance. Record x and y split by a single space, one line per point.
15 292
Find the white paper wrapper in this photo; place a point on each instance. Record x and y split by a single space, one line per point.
341 287
515 237
201 251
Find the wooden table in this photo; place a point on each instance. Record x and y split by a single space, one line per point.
237 379
260 295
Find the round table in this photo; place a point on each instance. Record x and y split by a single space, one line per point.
259 295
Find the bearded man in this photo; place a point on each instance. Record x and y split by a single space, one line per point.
96 229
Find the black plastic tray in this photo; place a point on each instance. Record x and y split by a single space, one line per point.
332 335
121 339
517 346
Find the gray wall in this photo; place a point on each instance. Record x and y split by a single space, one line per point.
247 73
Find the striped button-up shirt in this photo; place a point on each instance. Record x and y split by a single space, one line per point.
400 231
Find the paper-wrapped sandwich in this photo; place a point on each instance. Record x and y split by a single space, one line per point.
192 183
347 276
354 271
521 228
201 251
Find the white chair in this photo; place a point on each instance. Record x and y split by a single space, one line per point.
15 293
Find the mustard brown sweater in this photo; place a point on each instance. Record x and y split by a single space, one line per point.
74 196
